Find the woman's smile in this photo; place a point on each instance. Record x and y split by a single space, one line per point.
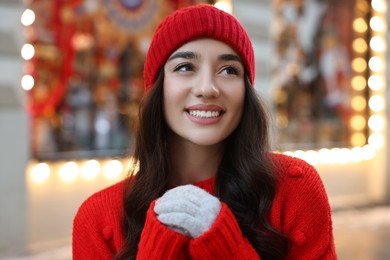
204 114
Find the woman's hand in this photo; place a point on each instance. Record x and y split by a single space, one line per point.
188 210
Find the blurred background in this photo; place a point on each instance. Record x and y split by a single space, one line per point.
71 81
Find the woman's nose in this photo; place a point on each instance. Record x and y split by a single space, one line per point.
205 86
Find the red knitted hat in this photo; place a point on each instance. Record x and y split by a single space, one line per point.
190 23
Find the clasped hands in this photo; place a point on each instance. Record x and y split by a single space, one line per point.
188 210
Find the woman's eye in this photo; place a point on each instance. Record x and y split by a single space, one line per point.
231 70
184 67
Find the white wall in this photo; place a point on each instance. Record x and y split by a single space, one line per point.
13 160
13 133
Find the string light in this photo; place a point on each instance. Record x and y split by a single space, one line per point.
378 5
27 51
376 140
375 63
112 169
358 139
224 6
377 24
90 169
359 45
28 17
40 173
359 64
358 83
358 103
377 44
376 123
360 25
375 82
27 82
69 172
376 103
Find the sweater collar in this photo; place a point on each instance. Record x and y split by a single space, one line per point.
208 185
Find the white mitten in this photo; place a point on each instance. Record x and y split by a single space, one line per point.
188 210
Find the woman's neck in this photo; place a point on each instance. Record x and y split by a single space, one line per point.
192 163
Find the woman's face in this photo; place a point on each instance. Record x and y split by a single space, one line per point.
204 91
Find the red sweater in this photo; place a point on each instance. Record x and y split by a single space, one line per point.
300 210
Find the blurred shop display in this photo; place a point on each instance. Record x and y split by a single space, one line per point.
314 71
87 73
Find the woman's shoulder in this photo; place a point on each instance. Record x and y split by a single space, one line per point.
97 224
297 179
291 167
298 184
301 209
103 205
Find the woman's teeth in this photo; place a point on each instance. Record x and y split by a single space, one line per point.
204 114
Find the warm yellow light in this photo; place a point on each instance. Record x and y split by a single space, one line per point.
358 122
40 173
375 82
376 140
311 157
376 103
377 24
28 17
113 169
358 139
375 63
299 154
27 82
358 83
224 6
324 156
359 45
378 5
69 172
27 51
377 44
368 152
335 154
376 123
359 64
345 156
360 25
90 169
358 103
360 152
356 153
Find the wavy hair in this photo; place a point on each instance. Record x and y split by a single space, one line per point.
245 180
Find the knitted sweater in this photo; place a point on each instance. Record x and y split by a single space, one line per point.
300 210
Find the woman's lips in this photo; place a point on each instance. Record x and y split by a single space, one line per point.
204 114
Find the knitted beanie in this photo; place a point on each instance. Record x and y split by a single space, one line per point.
194 22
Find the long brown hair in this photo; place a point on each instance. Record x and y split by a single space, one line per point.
245 180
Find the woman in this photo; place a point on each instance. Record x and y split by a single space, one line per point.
207 186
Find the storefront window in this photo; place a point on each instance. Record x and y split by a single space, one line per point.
320 73
87 74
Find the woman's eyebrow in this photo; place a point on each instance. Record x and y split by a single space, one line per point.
230 57
184 54
193 55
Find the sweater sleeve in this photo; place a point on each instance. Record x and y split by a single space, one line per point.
224 240
304 214
159 242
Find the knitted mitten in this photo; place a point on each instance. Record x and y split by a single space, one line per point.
188 210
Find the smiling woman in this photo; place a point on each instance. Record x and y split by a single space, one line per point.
203 92
207 186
